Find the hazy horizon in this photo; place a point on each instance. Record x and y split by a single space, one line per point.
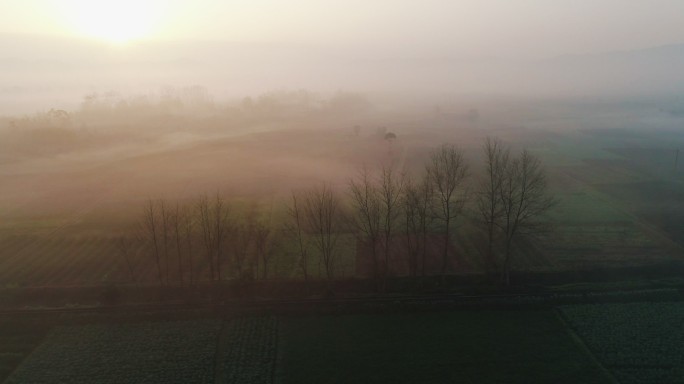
312 191
55 52
467 28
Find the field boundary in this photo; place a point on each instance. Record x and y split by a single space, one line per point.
371 304
584 347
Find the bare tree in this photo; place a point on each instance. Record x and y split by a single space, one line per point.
221 231
418 221
248 255
213 215
262 235
243 236
165 215
207 231
366 217
489 203
524 199
296 226
241 244
178 219
323 215
448 171
188 228
151 234
391 191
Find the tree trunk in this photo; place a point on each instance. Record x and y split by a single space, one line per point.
445 254
506 270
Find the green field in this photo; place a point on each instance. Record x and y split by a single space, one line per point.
638 342
618 193
464 347
18 337
167 352
619 198
436 347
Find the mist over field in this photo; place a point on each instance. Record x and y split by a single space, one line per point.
310 191
99 118
56 72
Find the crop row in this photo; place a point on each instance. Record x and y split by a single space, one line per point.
639 342
165 352
249 350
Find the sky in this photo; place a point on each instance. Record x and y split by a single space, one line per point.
469 28
52 52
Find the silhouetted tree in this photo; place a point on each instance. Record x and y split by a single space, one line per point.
262 234
221 231
188 229
324 216
489 203
165 216
243 235
181 223
214 224
447 171
366 217
391 190
417 201
524 199
150 232
204 215
296 226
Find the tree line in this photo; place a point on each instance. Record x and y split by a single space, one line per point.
386 210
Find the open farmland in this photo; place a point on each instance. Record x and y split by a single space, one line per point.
247 352
468 346
604 216
19 336
63 233
171 352
62 214
638 342
333 192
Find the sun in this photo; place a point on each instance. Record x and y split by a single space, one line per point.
114 21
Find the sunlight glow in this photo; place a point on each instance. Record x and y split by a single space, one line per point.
115 21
